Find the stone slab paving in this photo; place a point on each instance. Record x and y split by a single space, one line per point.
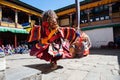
2 63
2 75
23 73
99 65
2 66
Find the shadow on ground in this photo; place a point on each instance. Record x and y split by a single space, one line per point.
44 68
113 52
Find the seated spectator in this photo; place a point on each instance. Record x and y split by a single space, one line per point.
2 52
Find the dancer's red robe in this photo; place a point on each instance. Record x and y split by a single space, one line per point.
52 44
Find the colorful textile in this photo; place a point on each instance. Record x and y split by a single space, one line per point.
52 44
69 33
35 34
86 43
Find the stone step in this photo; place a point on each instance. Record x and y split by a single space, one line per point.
2 75
23 73
2 63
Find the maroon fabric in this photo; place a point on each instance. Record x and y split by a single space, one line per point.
41 50
35 34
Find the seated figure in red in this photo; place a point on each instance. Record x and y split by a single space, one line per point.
51 41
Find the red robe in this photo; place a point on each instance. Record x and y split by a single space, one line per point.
51 45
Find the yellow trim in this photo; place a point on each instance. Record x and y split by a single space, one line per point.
28 29
95 4
91 5
20 8
37 46
66 12
87 6
45 40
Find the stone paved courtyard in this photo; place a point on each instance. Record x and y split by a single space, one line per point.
99 65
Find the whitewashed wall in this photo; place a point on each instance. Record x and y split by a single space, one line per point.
100 37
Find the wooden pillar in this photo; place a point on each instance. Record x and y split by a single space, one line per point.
59 22
110 11
0 15
29 18
16 22
39 21
70 20
16 18
119 8
15 41
88 15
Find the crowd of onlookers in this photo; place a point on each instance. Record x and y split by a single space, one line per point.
9 49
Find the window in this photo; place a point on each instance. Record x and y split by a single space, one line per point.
97 19
107 17
82 21
106 7
85 21
102 18
81 13
91 20
101 8
96 9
